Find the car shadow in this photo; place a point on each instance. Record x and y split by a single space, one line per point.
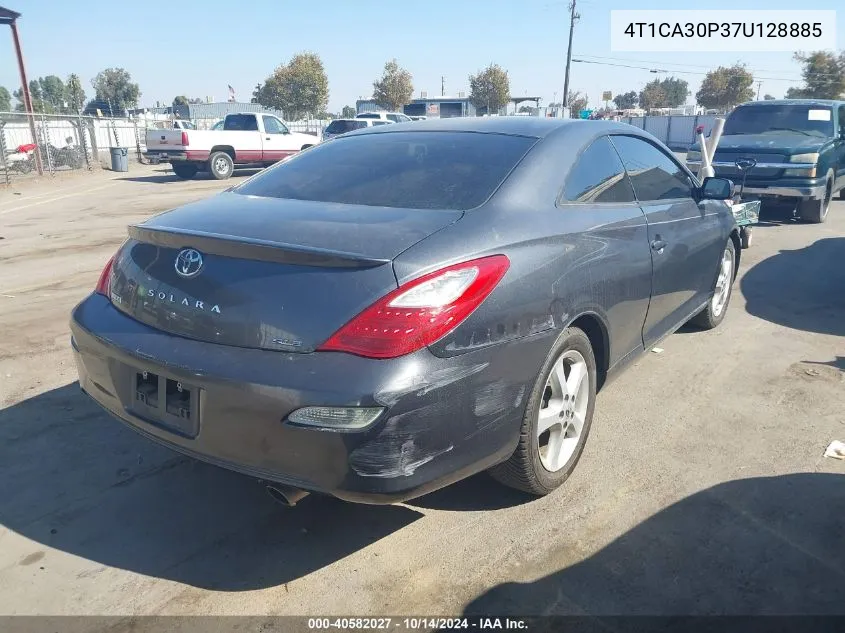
168 177
801 288
761 546
74 479
476 493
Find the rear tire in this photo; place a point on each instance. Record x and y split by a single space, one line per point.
543 460
745 237
185 171
711 316
220 165
815 211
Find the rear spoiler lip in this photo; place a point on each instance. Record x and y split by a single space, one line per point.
251 248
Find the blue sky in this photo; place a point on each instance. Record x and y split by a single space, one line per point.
169 51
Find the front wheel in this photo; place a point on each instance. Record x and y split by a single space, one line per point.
220 165
557 418
712 315
815 211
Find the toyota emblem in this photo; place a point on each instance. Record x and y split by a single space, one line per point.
188 262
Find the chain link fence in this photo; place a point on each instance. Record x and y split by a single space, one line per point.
49 144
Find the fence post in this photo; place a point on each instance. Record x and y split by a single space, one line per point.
45 134
668 130
694 128
83 142
137 141
3 152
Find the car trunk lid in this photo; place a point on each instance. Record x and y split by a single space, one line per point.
261 272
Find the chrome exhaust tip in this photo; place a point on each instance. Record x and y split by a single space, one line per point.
286 495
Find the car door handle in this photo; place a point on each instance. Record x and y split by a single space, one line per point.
658 245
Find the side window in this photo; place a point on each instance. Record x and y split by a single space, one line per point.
393 117
598 176
841 119
380 122
654 175
271 125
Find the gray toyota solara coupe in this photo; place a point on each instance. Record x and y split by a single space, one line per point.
406 305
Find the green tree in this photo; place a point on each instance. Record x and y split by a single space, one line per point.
180 100
34 94
677 91
298 88
724 88
823 73
653 95
626 100
75 94
395 88
795 93
115 90
490 89
577 102
768 97
348 112
5 100
52 93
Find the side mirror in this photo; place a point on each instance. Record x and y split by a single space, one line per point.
716 189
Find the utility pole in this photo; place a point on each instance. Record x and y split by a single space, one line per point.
759 83
572 18
442 86
10 18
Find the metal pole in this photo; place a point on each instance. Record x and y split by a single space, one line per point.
27 99
572 17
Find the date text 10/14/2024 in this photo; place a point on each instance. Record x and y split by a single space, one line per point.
416 624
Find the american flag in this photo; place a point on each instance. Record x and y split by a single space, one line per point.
231 94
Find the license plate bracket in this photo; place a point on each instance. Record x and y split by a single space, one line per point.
166 402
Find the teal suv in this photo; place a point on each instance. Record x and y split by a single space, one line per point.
799 146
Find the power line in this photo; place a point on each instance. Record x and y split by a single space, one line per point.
684 72
665 63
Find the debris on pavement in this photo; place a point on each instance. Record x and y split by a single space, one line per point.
836 450
657 350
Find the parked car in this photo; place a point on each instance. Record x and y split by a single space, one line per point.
419 118
399 308
396 117
799 146
342 126
219 125
246 139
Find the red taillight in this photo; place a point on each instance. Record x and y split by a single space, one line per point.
421 311
104 283
184 138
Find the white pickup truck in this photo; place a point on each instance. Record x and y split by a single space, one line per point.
247 138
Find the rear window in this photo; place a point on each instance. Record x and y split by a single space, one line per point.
418 170
341 127
368 116
240 122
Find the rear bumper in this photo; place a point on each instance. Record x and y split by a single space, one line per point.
444 419
166 156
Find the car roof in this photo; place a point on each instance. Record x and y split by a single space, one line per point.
775 102
536 127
